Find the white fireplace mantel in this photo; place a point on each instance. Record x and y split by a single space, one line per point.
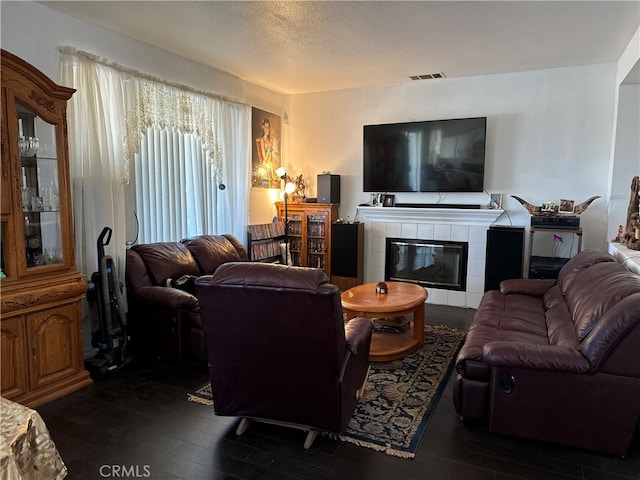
451 216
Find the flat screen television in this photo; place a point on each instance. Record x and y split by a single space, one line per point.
427 156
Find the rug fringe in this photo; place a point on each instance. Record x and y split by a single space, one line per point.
380 448
201 401
445 327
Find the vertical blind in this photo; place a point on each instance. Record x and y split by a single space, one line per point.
175 187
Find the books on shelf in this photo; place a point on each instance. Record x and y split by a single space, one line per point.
265 239
261 251
266 230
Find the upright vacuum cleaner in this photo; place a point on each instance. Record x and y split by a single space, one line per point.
109 334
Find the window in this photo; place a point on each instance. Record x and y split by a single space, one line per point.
186 154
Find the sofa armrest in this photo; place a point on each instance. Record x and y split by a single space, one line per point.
165 297
358 334
533 356
534 287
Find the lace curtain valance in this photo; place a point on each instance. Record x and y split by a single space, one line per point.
153 102
164 107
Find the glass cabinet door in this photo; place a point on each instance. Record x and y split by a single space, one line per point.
40 186
294 234
316 233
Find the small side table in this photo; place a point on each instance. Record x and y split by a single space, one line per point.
402 298
549 266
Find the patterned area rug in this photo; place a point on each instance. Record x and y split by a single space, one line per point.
400 396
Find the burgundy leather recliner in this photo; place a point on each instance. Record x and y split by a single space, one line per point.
279 350
164 322
557 360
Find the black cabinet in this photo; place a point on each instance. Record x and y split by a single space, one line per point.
505 255
347 254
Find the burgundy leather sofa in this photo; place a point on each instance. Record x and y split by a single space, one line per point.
279 349
164 322
557 361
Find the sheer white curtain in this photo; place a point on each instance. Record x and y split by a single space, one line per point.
234 137
179 146
95 132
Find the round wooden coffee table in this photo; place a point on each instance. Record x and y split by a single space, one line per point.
402 299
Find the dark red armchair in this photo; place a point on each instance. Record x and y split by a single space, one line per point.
279 350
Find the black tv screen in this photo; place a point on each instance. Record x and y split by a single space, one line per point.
428 156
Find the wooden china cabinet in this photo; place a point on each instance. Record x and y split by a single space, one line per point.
41 290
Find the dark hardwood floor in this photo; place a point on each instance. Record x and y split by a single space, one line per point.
138 423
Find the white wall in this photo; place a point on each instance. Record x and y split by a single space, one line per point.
549 136
626 156
629 60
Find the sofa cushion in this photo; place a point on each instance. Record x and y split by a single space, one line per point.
553 297
560 327
526 286
517 318
598 288
211 251
612 329
578 263
166 260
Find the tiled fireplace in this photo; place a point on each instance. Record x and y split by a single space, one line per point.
439 225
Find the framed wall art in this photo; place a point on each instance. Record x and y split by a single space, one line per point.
265 159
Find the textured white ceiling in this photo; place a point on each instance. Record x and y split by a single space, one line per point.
305 46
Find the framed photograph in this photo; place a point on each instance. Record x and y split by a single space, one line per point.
265 158
376 200
566 206
388 200
496 200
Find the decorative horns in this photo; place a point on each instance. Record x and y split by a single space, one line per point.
537 210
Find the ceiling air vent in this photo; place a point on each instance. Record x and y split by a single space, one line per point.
427 76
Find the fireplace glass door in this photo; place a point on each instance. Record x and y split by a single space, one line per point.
430 263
